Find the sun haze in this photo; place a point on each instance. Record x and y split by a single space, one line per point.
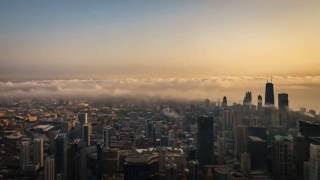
175 38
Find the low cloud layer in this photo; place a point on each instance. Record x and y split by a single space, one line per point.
303 90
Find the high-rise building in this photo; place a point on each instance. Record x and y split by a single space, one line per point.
257 148
283 166
283 101
82 118
247 101
271 117
259 102
205 151
313 165
49 169
61 147
309 129
164 141
269 95
283 105
171 135
25 155
106 136
73 160
315 152
242 134
150 130
227 120
86 134
38 151
99 161
302 150
241 140
224 102
110 159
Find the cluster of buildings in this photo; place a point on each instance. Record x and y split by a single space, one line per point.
129 139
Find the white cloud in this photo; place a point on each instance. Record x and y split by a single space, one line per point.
181 88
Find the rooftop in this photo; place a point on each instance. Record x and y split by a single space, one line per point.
283 138
256 138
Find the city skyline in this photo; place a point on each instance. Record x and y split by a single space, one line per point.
159 90
302 90
47 46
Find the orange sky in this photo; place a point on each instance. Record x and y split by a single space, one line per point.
64 39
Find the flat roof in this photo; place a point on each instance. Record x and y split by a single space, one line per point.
256 138
46 127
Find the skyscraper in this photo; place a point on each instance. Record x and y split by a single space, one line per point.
224 102
259 102
283 105
205 141
86 134
49 169
99 161
313 165
242 134
309 129
24 154
73 160
283 101
38 151
61 145
247 101
227 120
283 157
257 148
110 161
269 95
83 118
150 132
106 136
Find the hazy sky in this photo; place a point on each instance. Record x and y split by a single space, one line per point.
303 90
50 39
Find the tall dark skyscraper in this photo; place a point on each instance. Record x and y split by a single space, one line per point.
283 101
73 160
38 151
269 95
25 154
49 173
61 146
150 130
106 136
86 134
205 140
99 161
83 118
